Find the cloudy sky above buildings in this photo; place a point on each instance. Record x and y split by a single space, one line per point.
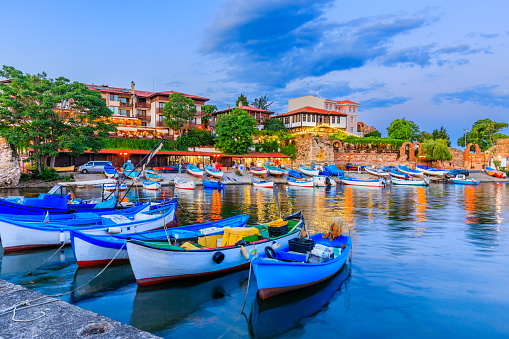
434 62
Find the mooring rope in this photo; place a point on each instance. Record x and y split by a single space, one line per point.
44 263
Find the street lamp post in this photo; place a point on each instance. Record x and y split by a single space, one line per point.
466 131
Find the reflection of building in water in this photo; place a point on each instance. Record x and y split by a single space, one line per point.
215 209
469 204
421 207
370 206
349 216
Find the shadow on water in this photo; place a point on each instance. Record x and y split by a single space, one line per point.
280 314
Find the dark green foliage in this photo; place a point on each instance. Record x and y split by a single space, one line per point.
274 124
484 132
207 109
138 144
441 134
375 133
178 111
262 102
242 98
373 141
197 137
404 130
423 136
436 150
235 132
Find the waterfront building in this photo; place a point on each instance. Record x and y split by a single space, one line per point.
260 115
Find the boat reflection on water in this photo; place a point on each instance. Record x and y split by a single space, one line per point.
280 314
22 262
158 308
117 275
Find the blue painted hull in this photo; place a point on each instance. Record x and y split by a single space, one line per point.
212 184
295 174
7 207
277 277
334 170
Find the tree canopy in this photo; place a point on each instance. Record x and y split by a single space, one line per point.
423 136
235 131
48 115
404 130
484 132
262 102
178 111
197 137
436 150
242 98
274 124
375 133
441 134
207 109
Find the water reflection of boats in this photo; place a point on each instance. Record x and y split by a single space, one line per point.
157 308
114 277
280 314
22 262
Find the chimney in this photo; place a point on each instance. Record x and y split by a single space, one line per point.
228 107
239 104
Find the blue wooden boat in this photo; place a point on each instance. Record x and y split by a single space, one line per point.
308 171
213 184
92 249
334 170
129 171
214 172
110 171
273 170
388 168
170 168
354 167
399 175
193 170
292 270
462 180
151 175
295 174
410 171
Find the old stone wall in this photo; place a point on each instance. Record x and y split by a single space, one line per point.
10 171
376 159
313 149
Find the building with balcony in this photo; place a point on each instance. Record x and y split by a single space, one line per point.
260 115
139 113
309 113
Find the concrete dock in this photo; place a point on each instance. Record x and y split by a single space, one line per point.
60 320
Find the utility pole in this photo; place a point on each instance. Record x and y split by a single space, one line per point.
134 99
466 131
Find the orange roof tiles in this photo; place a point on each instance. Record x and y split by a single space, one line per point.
309 109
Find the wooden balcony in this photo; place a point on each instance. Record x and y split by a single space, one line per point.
159 110
142 105
146 118
160 123
124 104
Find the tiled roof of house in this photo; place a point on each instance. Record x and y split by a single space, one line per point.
245 108
309 109
143 94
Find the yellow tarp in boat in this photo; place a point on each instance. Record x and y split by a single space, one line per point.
233 234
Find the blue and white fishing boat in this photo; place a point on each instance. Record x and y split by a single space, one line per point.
110 171
214 172
324 181
273 170
300 183
410 182
151 185
354 167
151 175
435 172
409 171
18 235
280 271
460 179
193 170
100 249
366 183
261 171
262 183
129 171
399 175
113 187
295 174
213 184
376 172
308 171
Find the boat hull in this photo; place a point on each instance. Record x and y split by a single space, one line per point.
377 173
263 184
93 252
218 174
186 185
365 183
263 172
154 186
307 171
403 182
465 182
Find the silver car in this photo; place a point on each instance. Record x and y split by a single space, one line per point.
93 167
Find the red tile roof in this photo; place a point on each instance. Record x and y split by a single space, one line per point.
342 102
143 94
245 108
309 109
191 153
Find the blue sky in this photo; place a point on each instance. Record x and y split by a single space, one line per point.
434 62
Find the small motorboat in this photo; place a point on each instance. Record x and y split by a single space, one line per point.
193 170
435 171
184 184
300 263
376 172
213 172
213 184
411 182
300 183
113 187
262 183
410 171
110 171
295 174
151 185
399 175
354 167
367 183
308 171
151 175
273 170
461 179
129 171
494 173
334 170
261 171
323 181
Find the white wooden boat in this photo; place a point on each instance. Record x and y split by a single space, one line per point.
213 172
366 183
435 172
411 182
323 181
376 172
399 175
113 187
262 183
300 183
308 171
156 263
410 171
193 170
460 179
273 170
261 171
151 185
27 235
184 184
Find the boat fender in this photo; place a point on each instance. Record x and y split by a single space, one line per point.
270 253
244 252
62 237
113 230
276 245
218 257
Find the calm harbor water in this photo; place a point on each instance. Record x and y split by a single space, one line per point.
426 262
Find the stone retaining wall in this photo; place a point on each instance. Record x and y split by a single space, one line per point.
10 171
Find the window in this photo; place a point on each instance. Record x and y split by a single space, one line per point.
113 97
333 120
161 105
114 109
124 100
143 123
304 118
313 118
141 112
124 112
351 129
351 120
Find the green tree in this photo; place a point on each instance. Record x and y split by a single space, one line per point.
436 150
242 99
262 102
484 132
196 137
235 131
207 109
423 136
441 134
178 111
404 130
51 114
274 124
375 133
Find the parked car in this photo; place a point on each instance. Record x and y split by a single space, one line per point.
93 167
455 172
